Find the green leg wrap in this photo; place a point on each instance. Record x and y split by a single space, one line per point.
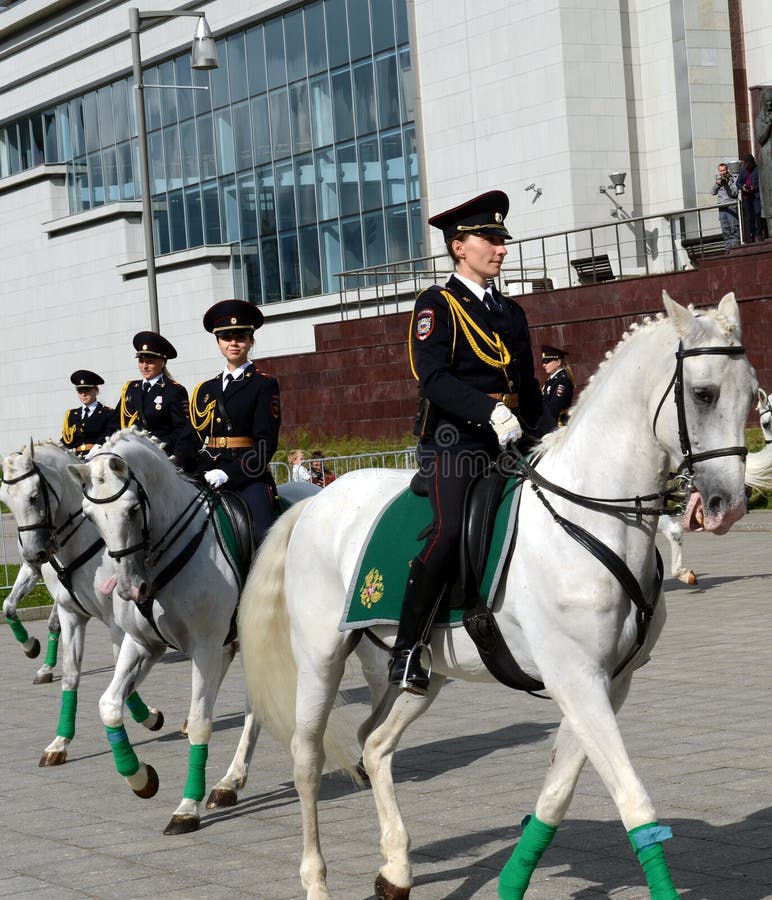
52 649
126 761
646 841
66 726
516 874
137 707
196 781
19 631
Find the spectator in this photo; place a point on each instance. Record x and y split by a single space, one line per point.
748 185
725 191
298 472
320 474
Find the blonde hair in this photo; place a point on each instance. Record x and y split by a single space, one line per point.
296 456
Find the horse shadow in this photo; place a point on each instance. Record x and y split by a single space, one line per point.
706 582
700 856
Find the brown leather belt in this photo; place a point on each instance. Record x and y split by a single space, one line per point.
83 448
509 400
230 442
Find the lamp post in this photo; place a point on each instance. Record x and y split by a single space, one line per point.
203 56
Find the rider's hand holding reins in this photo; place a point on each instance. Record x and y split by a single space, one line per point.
505 425
215 477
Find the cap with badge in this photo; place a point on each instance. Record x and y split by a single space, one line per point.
232 315
549 354
149 343
83 378
483 215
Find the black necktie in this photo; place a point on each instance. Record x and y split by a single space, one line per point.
86 413
228 381
490 303
145 387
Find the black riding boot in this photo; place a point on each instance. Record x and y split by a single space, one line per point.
405 668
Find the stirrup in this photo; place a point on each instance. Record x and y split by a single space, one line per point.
416 684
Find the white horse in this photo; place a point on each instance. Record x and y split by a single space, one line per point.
573 626
758 466
57 542
672 529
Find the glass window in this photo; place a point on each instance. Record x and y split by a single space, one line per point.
110 165
383 25
80 184
406 85
250 265
364 97
280 127
219 76
348 180
242 136
261 129
370 174
96 179
247 206
266 200
224 136
285 196
413 187
256 60
400 13
5 169
183 76
51 145
229 210
388 91
161 225
296 47
105 115
310 270
167 95
330 256
189 152
358 28
177 239
397 233
211 208
417 247
274 51
337 43
121 110
300 117
269 255
125 171
12 149
374 239
305 189
290 266
343 112
77 129
193 216
321 111
37 146
237 66
173 158
152 100
316 48
206 147
63 129
155 152
327 180
91 119
351 238
393 169
202 100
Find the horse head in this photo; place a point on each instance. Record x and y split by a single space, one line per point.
115 502
713 386
764 409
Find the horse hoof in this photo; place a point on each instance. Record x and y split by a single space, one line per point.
33 652
45 678
57 758
691 578
385 890
159 723
182 824
221 797
151 788
184 728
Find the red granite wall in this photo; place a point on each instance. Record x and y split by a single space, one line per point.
358 381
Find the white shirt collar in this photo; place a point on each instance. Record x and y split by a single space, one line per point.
152 381
91 407
236 374
473 286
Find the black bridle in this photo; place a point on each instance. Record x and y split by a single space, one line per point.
144 505
765 410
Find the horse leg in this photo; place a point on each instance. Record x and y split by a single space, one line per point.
134 661
374 660
26 579
566 763
225 792
45 674
148 717
207 673
73 627
675 536
395 876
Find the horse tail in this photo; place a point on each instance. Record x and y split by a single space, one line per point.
758 469
269 666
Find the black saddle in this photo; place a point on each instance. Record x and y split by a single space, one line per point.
237 511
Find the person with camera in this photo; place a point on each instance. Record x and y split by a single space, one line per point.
725 191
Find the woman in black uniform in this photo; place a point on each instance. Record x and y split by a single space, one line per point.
87 426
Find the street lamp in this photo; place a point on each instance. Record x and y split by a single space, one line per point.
203 56
617 184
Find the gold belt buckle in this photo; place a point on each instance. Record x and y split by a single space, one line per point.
221 442
509 400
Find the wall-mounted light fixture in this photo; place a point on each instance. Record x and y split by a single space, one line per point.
617 180
536 191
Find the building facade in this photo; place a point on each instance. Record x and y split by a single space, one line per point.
328 133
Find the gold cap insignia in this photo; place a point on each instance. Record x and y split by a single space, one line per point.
499 218
233 320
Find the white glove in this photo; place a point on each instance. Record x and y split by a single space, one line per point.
505 425
93 451
215 477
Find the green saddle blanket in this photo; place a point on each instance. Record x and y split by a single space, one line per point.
376 589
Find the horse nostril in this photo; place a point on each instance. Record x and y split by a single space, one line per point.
142 592
41 556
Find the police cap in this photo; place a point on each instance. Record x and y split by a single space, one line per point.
232 315
548 353
149 343
82 378
482 215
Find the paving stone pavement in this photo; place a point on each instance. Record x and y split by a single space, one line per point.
696 724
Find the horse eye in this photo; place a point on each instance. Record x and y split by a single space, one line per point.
703 395
33 498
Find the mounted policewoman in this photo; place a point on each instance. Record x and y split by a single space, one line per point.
471 355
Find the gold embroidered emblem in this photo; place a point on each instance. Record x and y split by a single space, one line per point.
372 589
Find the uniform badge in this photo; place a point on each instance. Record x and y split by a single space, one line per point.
275 406
158 401
424 324
372 589
561 390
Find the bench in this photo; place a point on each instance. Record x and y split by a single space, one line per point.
708 246
593 269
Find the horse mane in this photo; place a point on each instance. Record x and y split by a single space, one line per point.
134 436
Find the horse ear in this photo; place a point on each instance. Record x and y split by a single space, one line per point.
680 316
118 465
763 398
728 308
80 473
31 449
